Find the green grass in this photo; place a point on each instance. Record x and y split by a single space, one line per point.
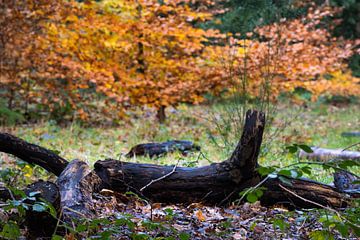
318 125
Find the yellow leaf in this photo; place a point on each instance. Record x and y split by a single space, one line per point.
200 215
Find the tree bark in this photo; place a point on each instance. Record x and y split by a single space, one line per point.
77 184
32 153
313 192
160 114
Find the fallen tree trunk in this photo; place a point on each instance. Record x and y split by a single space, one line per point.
155 149
77 184
302 192
212 184
32 153
323 154
217 183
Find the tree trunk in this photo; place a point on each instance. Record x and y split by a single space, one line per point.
215 183
32 153
155 149
323 154
160 114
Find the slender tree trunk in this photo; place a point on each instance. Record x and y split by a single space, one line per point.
160 114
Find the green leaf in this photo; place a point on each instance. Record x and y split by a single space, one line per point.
305 148
39 207
258 193
251 197
81 228
285 180
285 172
10 231
343 229
184 236
280 223
292 149
306 169
56 237
263 171
169 211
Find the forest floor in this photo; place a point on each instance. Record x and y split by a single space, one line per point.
210 128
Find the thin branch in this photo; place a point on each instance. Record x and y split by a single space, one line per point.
309 201
160 178
348 147
319 205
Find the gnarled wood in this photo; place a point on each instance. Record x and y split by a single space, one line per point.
77 184
215 183
32 153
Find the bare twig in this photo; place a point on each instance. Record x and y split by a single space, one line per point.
319 205
160 178
353 145
309 201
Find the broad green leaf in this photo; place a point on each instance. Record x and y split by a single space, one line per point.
251 197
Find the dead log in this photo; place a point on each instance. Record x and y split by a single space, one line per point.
302 193
214 184
32 153
350 134
77 184
323 154
155 149
345 181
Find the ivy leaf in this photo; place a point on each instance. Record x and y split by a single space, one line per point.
38 207
305 148
292 149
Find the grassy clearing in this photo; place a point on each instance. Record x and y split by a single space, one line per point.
317 125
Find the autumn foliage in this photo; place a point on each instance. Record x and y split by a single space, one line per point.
296 53
109 56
